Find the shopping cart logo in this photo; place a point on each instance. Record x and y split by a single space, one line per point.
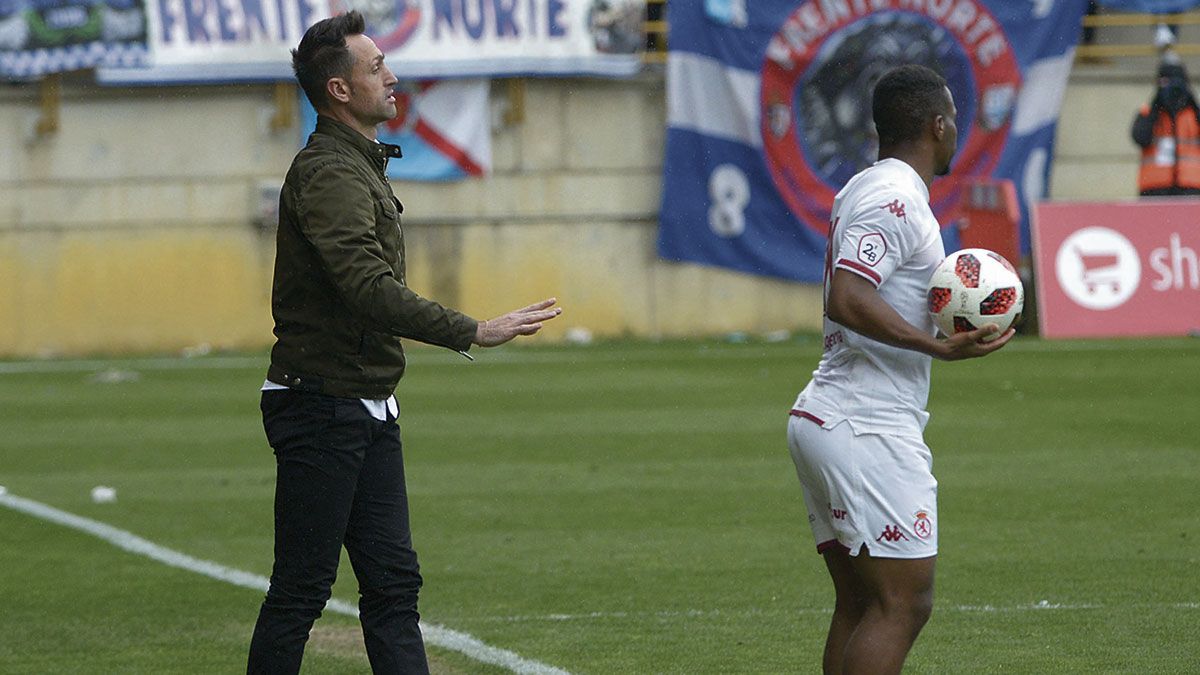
1098 268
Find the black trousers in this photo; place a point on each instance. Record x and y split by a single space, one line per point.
339 482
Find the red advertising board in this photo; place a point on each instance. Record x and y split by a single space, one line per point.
1117 269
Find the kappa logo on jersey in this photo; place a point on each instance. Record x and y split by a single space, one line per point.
891 533
923 526
871 248
897 209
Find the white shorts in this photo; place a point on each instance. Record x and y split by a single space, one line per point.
867 489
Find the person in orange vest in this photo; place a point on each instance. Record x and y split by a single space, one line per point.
1168 132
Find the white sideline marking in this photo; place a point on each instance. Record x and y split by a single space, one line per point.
447 638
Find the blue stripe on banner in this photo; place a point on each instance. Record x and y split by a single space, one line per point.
769 113
716 28
1027 162
744 209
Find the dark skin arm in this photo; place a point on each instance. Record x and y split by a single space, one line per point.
856 304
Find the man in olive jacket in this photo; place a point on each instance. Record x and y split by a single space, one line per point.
341 307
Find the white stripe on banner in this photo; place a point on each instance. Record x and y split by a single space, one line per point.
440 636
458 111
1042 93
705 96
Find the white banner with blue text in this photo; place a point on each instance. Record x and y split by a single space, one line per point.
250 40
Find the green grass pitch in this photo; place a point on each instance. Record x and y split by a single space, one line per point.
624 507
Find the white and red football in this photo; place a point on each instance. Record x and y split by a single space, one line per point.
973 287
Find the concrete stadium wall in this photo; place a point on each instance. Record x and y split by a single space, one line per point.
1095 158
133 228
129 228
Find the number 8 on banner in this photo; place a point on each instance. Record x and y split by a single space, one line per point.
730 192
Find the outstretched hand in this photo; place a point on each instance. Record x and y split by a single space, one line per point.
524 321
971 344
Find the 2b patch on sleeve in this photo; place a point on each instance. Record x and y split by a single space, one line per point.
871 248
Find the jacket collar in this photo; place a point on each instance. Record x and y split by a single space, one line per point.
378 152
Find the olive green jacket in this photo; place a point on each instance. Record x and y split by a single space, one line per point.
339 298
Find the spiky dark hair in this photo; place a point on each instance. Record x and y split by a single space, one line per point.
323 54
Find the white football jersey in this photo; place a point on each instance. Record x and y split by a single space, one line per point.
882 229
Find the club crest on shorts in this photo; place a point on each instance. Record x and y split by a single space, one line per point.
922 526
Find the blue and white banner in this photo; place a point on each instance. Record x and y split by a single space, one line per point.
38 37
443 128
769 113
250 40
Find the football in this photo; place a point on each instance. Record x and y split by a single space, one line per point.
973 287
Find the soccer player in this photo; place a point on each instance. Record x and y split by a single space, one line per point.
341 306
855 432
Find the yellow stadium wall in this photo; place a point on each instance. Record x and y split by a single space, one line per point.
82 292
132 228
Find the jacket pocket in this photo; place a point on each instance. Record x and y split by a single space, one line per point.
391 233
389 210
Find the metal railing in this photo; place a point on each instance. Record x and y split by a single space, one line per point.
1130 20
656 32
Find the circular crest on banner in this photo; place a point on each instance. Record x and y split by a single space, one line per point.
820 70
